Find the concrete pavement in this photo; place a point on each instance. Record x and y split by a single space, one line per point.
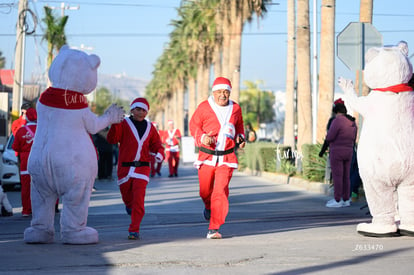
272 228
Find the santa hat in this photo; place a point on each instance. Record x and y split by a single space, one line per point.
31 114
339 101
140 102
170 121
221 83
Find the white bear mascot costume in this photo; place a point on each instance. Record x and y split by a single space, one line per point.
63 159
386 144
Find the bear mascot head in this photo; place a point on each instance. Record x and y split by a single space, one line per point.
386 144
63 160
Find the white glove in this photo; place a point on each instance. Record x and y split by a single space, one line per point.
346 85
159 158
115 113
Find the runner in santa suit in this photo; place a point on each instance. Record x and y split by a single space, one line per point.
217 125
22 145
21 120
137 137
172 139
156 166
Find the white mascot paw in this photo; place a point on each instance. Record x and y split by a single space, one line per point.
159 158
115 113
346 84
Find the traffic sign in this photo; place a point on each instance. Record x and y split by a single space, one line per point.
354 40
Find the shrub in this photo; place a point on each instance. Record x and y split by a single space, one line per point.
267 157
313 165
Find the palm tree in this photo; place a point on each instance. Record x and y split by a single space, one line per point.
55 33
365 16
289 132
304 104
185 35
2 60
236 13
327 67
201 40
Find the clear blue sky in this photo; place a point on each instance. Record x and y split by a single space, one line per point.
129 35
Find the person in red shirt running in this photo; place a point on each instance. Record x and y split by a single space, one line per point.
172 138
21 120
217 127
137 137
22 145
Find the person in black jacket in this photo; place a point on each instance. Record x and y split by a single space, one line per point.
105 155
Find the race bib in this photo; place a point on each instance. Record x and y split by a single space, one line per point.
229 130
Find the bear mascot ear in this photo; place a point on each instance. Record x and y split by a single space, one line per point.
74 70
94 61
403 46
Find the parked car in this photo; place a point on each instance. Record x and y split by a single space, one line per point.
9 167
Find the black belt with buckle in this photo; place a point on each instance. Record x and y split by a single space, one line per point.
216 153
135 163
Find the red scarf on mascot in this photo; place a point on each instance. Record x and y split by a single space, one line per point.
396 88
63 99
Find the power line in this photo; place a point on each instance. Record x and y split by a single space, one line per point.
167 34
110 4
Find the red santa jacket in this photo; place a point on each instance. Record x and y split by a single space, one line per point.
132 148
224 124
17 124
22 144
172 140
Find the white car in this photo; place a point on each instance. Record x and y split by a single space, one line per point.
9 167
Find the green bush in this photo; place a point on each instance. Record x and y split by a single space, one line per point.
276 158
285 159
267 157
313 165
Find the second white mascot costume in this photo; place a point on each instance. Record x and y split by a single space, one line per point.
386 143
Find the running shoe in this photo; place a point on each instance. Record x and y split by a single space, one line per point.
213 234
207 214
134 236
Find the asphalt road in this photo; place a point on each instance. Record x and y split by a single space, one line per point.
272 228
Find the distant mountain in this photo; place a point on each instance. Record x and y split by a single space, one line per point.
123 86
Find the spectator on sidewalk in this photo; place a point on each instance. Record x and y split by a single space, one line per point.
105 155
250 133
341 138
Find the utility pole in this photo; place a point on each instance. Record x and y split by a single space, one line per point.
64 7
18 84
314 74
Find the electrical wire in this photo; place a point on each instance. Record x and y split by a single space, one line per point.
24 23
110 4
9 6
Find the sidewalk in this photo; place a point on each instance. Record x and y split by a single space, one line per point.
272 228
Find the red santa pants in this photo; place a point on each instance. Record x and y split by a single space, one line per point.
133 195
173 161
214 191
25 194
